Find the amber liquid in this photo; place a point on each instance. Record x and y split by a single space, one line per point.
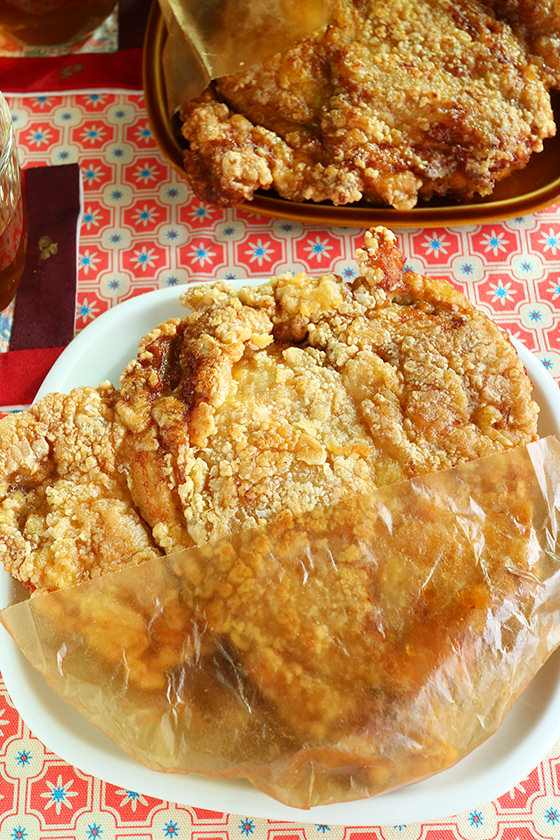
10 276
44 23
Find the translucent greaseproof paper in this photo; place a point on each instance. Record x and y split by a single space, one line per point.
211 38
327 658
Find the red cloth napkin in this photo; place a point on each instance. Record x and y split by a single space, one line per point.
80 71
45 305
21 375
85 71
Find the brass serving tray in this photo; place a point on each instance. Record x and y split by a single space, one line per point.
532 188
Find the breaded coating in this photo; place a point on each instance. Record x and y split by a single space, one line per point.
537 23
394 102
65 510
298 392
269 399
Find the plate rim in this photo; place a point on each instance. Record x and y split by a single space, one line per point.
383 809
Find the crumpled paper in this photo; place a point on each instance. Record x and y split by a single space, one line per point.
211 38
327 658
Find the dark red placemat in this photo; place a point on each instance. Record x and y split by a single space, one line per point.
46 300
43 322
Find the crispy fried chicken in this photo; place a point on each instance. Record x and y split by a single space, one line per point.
324 606
285 396
393 102
537 23
266 399
65 510
344 616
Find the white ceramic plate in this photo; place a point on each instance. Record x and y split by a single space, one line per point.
100 352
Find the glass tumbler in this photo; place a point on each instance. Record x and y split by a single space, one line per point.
13 233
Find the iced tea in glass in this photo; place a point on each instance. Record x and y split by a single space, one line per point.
13 233
44 23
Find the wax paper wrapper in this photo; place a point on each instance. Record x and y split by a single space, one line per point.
211 38
327 658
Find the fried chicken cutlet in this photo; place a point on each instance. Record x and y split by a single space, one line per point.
292 394
393 102
345 618
260 400
343 604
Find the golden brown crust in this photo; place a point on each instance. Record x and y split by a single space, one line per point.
537 23
263 400
65 511
393 102
288 395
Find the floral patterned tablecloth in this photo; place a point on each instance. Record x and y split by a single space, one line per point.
142 229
